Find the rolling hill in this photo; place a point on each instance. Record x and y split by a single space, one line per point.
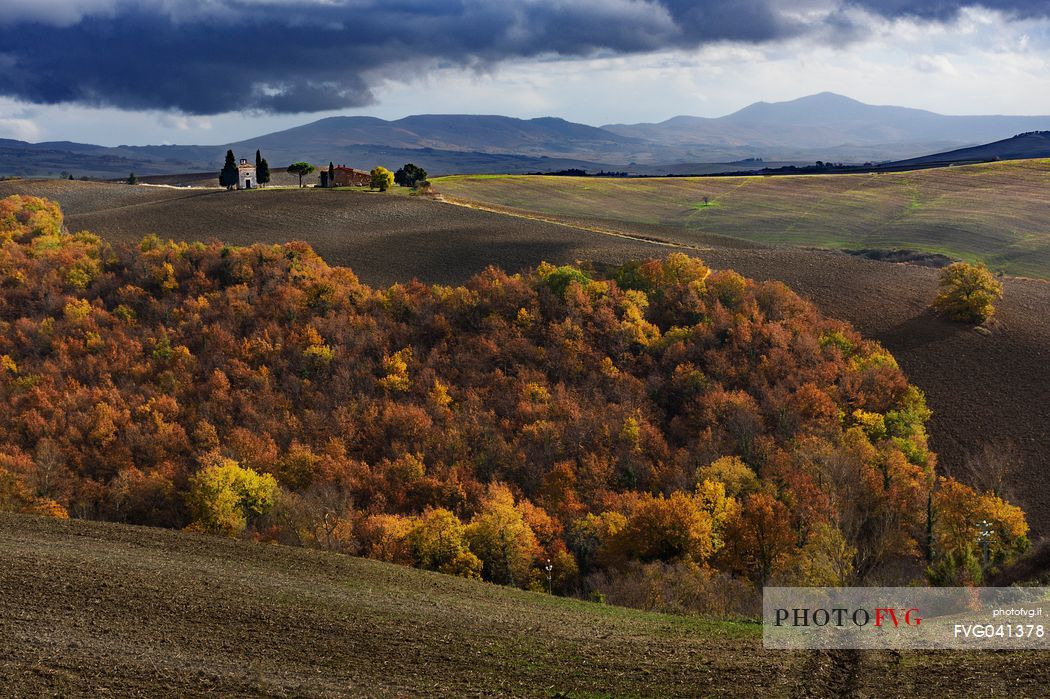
985 392
1034 144
449 132
825 127
996 212
22 159
92 608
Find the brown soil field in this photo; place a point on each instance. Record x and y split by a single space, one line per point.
388 237
96 609
279 177
985 390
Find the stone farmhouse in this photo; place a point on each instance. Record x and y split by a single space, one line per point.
343 176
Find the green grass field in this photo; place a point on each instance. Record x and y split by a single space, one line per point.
996 212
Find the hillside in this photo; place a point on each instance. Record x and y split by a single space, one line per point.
450 132
984 391
391 237
442 427
92 608
1035 144
21 159
996 212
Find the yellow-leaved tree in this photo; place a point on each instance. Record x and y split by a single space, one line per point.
224 497
502 539
967 293
381 179
971 532
668 529
438 542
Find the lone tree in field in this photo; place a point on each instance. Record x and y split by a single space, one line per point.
228 176
131 178
382 178
262 169
967 293
301 169
409 175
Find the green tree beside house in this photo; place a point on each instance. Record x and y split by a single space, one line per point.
228 176
301 169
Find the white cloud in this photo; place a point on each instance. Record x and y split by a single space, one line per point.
935 64
19 129
183 122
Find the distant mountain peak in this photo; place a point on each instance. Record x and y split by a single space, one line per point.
827 96
811 107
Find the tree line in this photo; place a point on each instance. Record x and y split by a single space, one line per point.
409 175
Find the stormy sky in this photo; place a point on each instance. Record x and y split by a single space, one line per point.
210 71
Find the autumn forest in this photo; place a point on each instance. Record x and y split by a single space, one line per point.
586 429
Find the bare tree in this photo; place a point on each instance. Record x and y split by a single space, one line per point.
989 469
51 479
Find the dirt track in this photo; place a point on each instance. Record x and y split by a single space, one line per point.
983 389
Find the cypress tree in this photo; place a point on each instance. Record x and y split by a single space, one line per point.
331 174
262 169
228 176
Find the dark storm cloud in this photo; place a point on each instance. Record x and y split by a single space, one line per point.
942 10
207 57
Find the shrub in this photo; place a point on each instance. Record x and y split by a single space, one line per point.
967 293
385 538
559 278
682 587
958 512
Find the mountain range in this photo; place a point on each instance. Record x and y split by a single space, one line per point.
825 127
